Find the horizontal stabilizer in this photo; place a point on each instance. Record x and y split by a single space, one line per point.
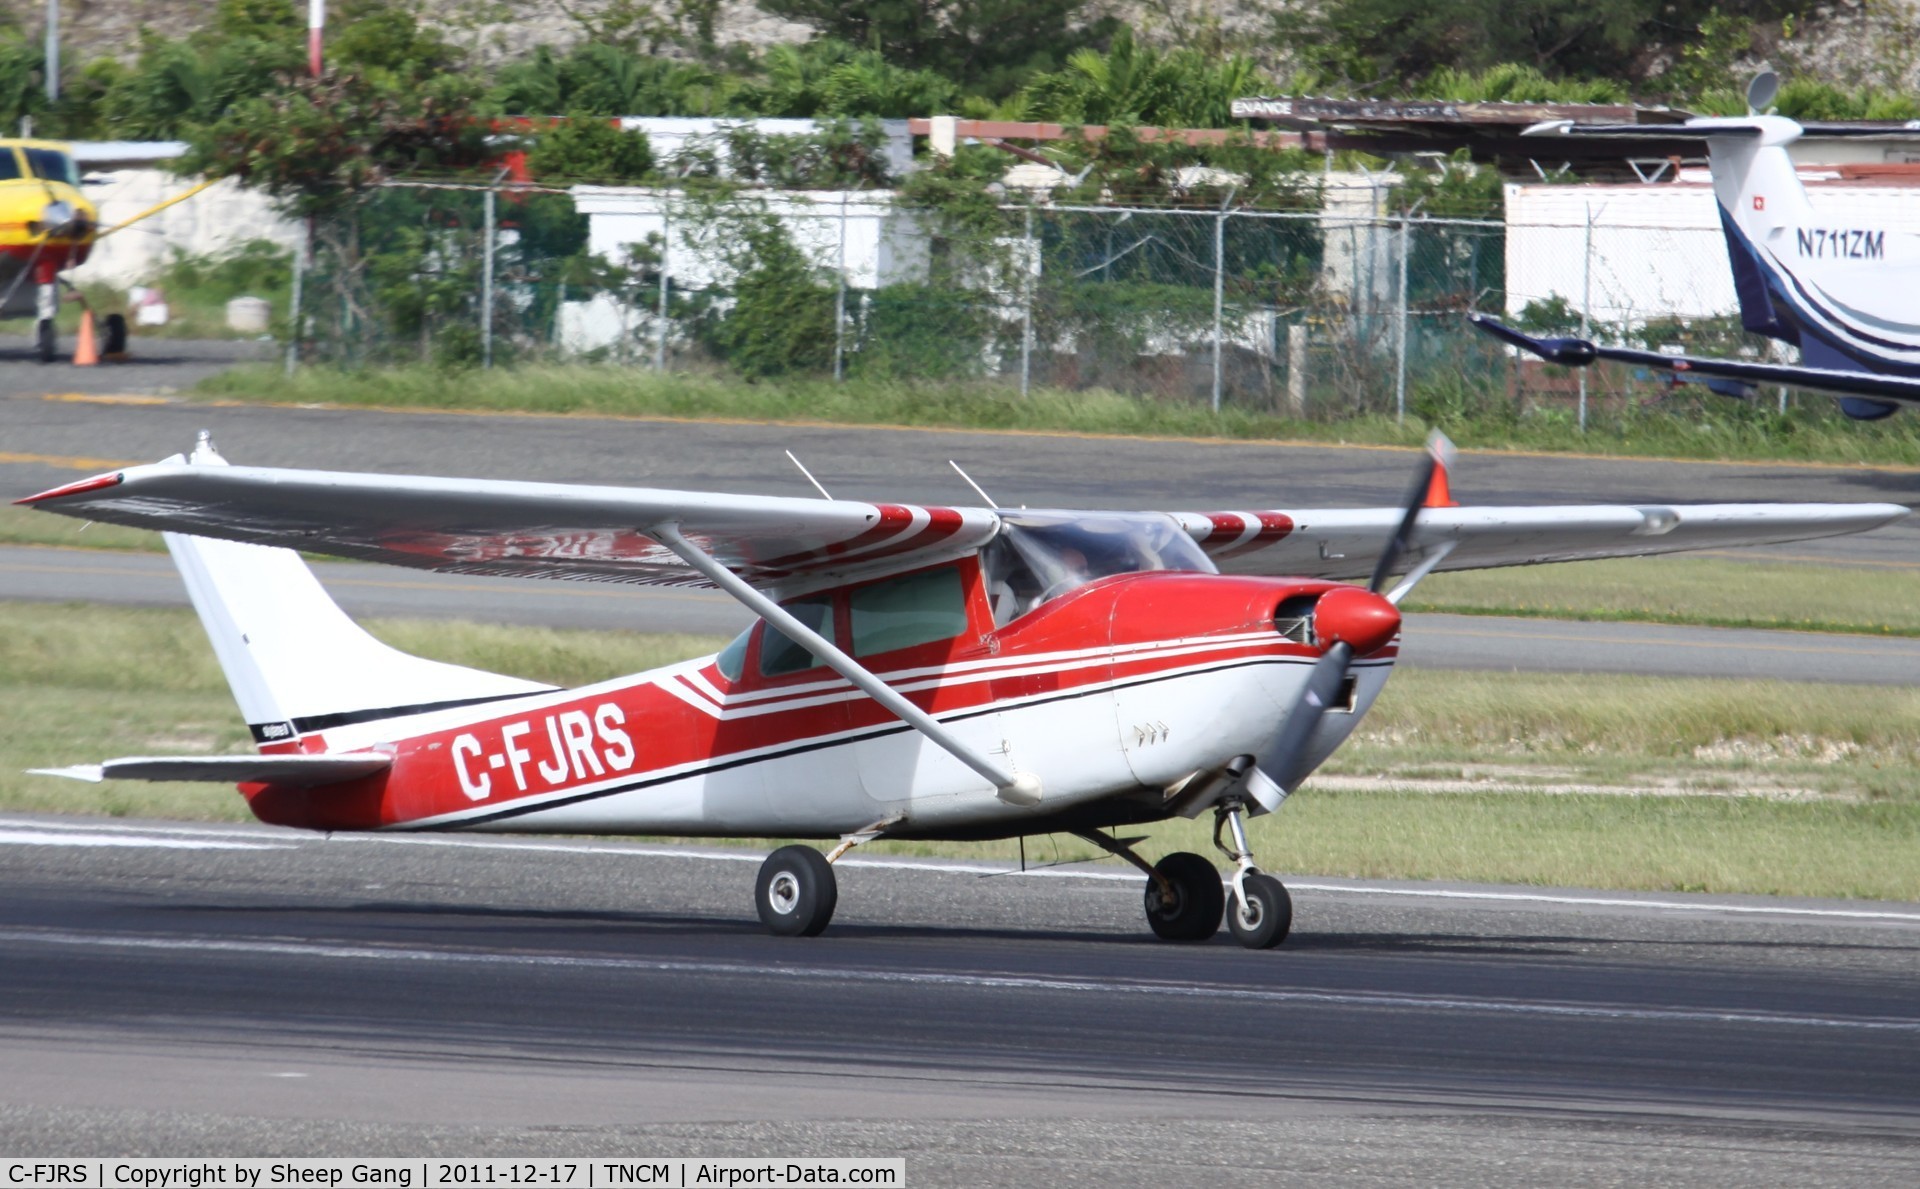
306 771
1572 352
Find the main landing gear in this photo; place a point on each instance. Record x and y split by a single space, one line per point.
1185 901
797 892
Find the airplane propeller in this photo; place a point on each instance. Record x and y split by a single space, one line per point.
1347 622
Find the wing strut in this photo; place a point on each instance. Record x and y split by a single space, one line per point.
1015 788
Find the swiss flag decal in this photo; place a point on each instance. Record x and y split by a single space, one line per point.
1759 202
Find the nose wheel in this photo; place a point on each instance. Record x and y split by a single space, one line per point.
1259 912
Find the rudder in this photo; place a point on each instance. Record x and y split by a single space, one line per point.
296 663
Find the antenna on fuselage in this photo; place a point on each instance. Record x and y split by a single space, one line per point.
809 475
978 490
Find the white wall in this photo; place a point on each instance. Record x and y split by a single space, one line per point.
670 135
1657 250
884 244
223 216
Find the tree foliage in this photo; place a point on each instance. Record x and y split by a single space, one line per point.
590 148
1376 46
318 143
777 314
986 46
1125 168
831 78
1135 84
609 80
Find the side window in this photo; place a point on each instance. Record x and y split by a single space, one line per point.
916 609
779 655
732 660
9 165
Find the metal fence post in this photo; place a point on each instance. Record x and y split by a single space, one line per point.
660 319
293 304
1400 328
1586 305
1297 369
1027 270
840 300
1219 288
486 280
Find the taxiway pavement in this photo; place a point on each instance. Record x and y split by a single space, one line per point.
169 989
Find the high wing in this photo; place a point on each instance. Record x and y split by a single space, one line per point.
1730 377
532 530
1344 543
549 530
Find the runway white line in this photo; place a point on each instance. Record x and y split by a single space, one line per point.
1386 1001
641 850
38 838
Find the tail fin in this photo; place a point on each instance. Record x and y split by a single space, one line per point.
296 663
1759 192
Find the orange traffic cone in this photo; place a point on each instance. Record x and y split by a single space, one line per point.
85 353
1438 493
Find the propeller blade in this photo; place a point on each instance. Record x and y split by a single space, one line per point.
1389 562
1439 453
1280 766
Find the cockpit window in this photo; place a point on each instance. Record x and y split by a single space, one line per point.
1038 556
907 611
732 660
779 655
9 165
52 165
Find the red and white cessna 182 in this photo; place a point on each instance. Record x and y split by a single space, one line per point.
917 672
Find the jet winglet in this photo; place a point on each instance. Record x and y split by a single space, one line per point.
1569 352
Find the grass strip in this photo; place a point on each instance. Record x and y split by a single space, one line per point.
1718 429
24 526
1700 591
83 682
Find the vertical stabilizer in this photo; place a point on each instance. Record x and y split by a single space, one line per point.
297 664
1761 198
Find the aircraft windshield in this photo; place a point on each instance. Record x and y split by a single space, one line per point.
53 165
1038 556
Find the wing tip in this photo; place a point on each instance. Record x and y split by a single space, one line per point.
96 483
90 773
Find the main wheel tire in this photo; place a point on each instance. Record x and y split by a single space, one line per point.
114 341
1262 921
46 340
796 892
1192 912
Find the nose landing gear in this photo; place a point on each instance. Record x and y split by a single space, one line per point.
1259 913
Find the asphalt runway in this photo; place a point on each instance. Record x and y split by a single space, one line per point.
179 990
154 367
1495 643
44 442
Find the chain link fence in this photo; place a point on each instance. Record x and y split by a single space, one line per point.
1305 313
